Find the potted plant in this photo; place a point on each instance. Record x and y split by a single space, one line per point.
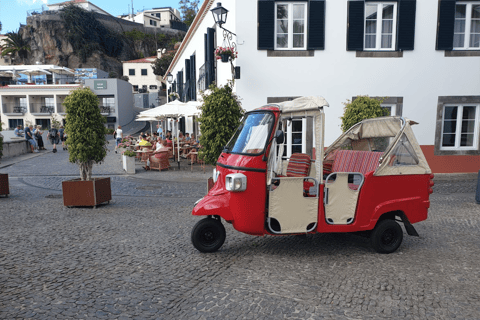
86 146
4 187
226 53
173 96
129 161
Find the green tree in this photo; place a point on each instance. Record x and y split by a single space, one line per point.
189 10
15 44
160 66
85 131
220 117
363 107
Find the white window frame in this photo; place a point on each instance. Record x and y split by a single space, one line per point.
290 138
290 26
458 130
378 38
393 108
468 25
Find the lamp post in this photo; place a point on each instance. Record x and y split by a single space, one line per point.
169 78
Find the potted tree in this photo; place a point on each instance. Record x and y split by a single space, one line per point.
129 161
4 188
86 146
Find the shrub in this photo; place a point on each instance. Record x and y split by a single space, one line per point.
129 153
221 114
363 107
85 131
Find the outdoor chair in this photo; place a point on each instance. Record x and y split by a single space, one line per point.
159 161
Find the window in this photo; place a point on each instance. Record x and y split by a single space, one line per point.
157 15
460 127
131 72
135 88
290 25
466 33
295 26
144 72
153 87
391 108
380 26
13 123
45 123
153 23
384 26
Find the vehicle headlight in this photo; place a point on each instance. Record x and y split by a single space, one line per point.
236 182
215 174
196 202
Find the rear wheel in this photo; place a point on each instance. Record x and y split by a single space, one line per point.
208 235
387 236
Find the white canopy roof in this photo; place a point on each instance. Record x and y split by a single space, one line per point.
172 109
303 104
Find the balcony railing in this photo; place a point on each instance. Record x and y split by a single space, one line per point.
40 108
14 108
106 109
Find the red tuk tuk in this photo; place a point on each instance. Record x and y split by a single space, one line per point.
372 176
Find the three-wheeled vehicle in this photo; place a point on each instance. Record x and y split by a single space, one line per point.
372 176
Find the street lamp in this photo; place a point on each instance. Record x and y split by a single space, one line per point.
219 14
169 78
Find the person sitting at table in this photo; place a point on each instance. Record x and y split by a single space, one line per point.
144 142
18 132
187 137
161 146
140 137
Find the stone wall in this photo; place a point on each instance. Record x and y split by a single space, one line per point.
15 148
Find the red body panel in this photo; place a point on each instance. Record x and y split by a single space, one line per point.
379 195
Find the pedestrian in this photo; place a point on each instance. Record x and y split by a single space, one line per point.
54 137
18 132
61 132
159 130
30 138
119 137
38 135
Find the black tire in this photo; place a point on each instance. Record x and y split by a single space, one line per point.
208 235
387 236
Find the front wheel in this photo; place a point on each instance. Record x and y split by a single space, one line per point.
208 235
387 236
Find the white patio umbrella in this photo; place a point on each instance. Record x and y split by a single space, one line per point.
34 72
149 119
61 71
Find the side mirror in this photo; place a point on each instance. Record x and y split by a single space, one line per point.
279 137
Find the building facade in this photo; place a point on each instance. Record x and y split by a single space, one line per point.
37 104
84 4
164 17
140 74
421 57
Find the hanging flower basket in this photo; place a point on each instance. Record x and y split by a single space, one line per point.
226 53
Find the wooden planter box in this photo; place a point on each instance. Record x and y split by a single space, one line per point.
4 188
77 193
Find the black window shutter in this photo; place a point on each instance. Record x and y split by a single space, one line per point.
187 79
446 23
266 24
355 25
193 79
316 25
406 24
205 46
210 66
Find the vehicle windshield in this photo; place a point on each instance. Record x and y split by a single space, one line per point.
252 135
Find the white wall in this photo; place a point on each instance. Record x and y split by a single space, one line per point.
419 77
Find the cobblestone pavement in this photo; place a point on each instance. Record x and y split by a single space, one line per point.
133 258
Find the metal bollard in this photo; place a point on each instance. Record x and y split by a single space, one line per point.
477 194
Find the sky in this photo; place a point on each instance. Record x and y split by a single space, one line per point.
14 12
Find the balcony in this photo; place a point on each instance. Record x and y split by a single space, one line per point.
14 109
106 110
40 109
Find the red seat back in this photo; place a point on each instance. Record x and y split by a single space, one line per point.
356 161
298 165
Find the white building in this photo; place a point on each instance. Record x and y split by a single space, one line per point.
6 60
140 75
425 60
22 104
165 17
84 4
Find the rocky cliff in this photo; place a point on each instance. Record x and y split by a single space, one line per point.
48 38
